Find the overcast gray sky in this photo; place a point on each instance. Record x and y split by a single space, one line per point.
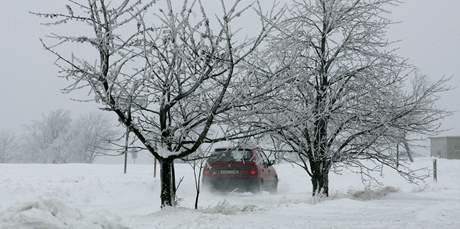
429 30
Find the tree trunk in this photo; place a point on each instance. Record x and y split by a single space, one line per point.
197 185
173 178
167 183
320 179
197 197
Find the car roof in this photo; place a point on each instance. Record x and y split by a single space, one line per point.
236 148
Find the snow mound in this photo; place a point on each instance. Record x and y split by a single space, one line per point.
52 214
226 208
370 194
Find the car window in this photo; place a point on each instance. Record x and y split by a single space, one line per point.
262 156
237 155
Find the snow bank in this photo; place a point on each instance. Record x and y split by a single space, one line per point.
53 214
225 208
370 194
76 196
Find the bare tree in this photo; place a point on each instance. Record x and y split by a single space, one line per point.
170 83
89 136
8 146
40 143
197 161
351 97
57 138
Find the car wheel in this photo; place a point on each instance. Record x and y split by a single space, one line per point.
274 187
258 186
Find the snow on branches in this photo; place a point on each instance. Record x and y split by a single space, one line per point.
172 75
348 98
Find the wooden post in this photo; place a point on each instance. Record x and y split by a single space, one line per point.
435 170
397 156
409 154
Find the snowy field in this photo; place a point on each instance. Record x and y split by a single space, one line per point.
100 196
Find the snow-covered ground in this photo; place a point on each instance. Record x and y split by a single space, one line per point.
100 196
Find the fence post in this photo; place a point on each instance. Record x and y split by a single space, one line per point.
435 170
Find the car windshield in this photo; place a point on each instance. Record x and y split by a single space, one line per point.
238 155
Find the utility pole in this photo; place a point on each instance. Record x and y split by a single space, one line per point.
126 149
127 134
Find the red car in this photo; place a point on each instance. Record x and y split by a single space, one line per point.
240 169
